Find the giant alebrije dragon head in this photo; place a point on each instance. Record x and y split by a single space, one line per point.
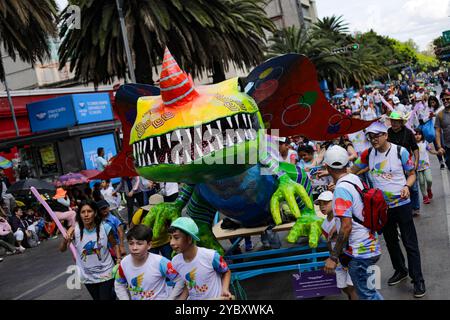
184 133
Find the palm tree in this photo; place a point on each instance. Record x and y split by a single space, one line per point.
25 27
352 68
331 25
203 35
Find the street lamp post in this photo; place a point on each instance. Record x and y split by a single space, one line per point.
119 4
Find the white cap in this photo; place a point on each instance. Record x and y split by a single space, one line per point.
336 157
325 196
377 127
396 100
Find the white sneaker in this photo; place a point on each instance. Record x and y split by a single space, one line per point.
1 259
21 249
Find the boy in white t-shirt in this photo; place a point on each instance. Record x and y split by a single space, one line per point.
204 271
343 279
142 275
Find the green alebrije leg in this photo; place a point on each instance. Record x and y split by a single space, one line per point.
207 238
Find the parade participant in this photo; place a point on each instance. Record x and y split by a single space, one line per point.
90 237
436 108
424 170
311 166
142 275
115 224
343 279
388 163
442 127
354 241
400 135
113 199
162 244
204 271
368 112
169 190
286 153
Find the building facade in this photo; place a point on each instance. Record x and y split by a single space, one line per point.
286 13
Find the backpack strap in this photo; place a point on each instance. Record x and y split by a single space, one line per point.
399 152
358 189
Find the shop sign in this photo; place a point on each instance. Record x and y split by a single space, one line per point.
92 107
51 114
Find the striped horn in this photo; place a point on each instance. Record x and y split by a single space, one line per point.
176 87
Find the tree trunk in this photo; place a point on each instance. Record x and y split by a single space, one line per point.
218 72
143 64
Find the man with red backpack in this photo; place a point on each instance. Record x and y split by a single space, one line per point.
357 246
388 164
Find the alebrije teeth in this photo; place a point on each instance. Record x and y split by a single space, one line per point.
219 126
230 122
156 160
145 145
151 144
236 117
168 140
244 117
159 142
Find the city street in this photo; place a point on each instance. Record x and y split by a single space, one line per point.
40 273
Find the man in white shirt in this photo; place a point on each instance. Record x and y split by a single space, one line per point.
101 161
169 191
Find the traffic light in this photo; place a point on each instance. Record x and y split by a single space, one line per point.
354 47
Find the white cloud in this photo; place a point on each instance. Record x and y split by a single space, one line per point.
420 20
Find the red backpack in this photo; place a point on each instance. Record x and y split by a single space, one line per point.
375 208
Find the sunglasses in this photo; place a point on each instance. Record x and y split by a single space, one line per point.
446 99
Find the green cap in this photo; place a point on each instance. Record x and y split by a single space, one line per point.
187 225
396 116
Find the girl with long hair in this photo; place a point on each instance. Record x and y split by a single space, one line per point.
90 237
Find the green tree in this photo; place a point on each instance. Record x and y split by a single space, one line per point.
203 35
25 27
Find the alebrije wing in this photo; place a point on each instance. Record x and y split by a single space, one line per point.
288 95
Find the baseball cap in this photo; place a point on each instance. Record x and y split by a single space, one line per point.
102 204
187 225
336 157
396 100
325 196
377 127
155 199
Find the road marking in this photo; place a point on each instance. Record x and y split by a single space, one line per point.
40 285
446 186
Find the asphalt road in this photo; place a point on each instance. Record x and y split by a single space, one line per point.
40 273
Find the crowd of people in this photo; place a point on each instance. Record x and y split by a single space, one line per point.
393 156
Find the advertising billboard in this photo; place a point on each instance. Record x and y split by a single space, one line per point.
56 113
90 146
92 107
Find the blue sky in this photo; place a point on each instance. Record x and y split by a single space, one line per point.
420 20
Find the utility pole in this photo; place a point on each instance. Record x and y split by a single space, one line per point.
126 44
11 107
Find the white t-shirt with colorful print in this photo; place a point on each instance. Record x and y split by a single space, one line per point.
424 158
95 258
387 172
203 275
147 282
347 202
